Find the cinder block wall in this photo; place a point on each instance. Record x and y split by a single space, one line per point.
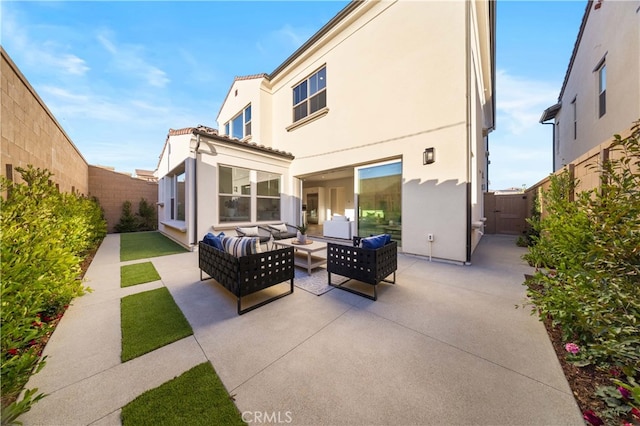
112 189
31 135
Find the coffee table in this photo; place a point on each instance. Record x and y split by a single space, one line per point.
304 256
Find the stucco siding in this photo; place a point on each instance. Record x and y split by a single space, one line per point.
620 49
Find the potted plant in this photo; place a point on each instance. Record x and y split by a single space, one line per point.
231 205
302 233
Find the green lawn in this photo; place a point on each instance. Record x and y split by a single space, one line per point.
143 245
150 320
196 397
138 273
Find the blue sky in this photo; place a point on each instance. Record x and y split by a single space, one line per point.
118 75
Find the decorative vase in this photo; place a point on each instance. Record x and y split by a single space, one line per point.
302 238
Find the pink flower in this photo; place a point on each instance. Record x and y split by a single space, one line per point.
591 417
635 412
624 392
572 348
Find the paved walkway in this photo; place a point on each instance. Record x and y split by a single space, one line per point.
445 346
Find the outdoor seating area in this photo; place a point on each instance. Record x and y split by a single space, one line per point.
240 266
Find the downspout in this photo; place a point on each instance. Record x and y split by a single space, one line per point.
553 145
468 129
195 191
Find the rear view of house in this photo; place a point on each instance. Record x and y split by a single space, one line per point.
382 117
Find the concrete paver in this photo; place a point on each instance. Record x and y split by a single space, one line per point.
444 346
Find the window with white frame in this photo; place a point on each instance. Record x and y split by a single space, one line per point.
248 195
310 95
602 88
178 195
239 127
267 196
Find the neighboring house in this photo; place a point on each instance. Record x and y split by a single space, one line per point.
600 95
382 116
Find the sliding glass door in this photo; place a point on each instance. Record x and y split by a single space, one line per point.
378 188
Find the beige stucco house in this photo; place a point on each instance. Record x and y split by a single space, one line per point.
382 116
600 95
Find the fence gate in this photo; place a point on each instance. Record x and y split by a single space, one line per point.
505 213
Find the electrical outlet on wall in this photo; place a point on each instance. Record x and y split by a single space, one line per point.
429 237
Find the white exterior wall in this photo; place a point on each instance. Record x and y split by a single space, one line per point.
176 152
248 92
208 205
611 32
391 94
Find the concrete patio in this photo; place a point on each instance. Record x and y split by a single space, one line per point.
444 346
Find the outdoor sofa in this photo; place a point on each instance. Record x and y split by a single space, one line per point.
247 274
367 265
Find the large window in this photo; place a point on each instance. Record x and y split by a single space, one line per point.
248 195
268 196
310 95
602 89
177 208
239 127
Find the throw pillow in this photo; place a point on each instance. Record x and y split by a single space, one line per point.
239 246
280 228
374 242
251 231
214 241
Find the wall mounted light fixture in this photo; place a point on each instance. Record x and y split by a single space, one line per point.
429 156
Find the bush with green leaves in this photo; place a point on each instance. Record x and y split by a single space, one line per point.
587 281
589 252
45 236
143 220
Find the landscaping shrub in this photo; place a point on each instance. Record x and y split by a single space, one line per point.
45 236
587 252
143 220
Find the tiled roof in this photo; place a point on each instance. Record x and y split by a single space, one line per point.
213 134
250 77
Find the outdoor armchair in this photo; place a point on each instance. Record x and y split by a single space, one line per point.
282 231
366 265
255 231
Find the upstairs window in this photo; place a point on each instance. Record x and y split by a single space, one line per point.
602 89
310 95
240 126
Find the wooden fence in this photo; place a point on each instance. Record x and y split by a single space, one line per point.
586 169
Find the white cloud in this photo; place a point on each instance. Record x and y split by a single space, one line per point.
128 58
520 102
520 147
283 40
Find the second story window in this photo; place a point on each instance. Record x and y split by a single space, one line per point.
240 126
602 89
310 95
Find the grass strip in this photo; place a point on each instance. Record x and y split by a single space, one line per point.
143 245
138 273
150 320
197 397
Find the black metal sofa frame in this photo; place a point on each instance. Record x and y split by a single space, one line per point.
249 274
370 266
